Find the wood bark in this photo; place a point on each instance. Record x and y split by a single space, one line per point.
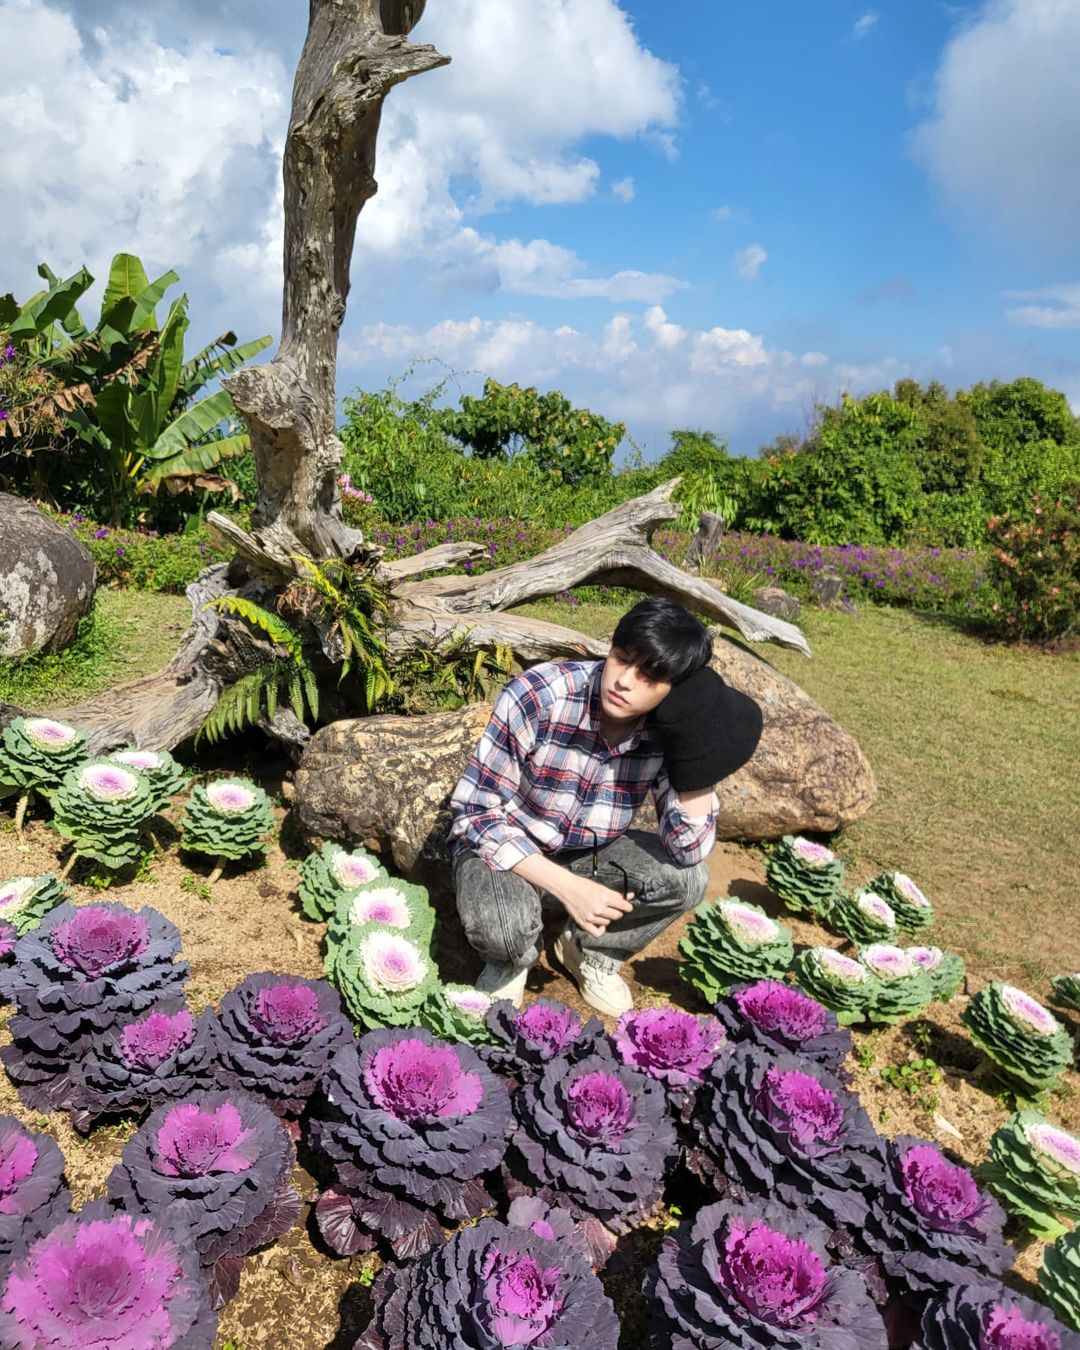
706 541
356 51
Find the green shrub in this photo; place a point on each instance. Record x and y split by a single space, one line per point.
145 560
1035 568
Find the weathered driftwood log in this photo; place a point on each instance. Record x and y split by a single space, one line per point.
386 781
706 540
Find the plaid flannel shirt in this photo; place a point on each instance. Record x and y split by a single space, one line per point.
542 777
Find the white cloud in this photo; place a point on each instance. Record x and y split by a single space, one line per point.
623 190
864 25
725 214
748 261
642 368
120 137
1062 311
136 146
1003 142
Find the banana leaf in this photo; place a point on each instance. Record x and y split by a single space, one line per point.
192 426
197 459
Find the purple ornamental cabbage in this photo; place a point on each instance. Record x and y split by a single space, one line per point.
162 1056
931 1224
755 1275
527 1041
493 1286
275 1036
8 938
107 1281
985 1316
32 1192
593 1137
779 1125
416 1123
216 1167
674 1047
780 1017
83 972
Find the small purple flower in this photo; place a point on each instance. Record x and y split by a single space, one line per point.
100 533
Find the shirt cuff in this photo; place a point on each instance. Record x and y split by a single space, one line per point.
696 820
510 852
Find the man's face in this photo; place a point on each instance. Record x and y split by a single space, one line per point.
626 694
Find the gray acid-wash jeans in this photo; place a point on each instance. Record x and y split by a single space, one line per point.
503 914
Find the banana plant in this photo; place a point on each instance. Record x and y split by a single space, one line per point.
130 397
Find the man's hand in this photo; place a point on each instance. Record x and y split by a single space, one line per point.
707 730
591 905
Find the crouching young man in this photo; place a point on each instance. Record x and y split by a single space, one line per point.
541 815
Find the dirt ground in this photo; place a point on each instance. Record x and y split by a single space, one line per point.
295 1294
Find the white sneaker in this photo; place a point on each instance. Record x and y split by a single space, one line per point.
597 977
499 981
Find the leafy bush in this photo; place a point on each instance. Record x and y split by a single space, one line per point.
35 753
1059 1278
24 901
144 560
525 1042
754 1274
593 1137
1066 988
804 875
383 976
843 985
946 970
138 1065
275 1036
900 985
102 1278
782 1126
1027 1043
777 1017
33 1196
493 1285
981 1316
83 972
457 1012
1035 568
911 909
414 1126
228 818
730 941
1034 1168
862 917
330 874
931 1227
215 1169
165 777
101 807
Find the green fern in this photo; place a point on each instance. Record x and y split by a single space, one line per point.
241 704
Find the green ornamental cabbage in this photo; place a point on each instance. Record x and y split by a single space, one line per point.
842 984
165 776
1025 1041
24 901
389 901
900 986
101 808
329 874
1067 991
1059 1278
1034 1170
383 976
912 909
457 1012
862 917
806 876
729 942
35 753
228 818
946 970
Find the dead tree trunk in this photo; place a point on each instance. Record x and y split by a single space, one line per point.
356 51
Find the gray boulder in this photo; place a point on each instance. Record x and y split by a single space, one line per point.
47 581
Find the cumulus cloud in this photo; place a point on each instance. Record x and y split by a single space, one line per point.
1049 307
643 368
725 214
1003 141
134 135
623 190
748 262
864 25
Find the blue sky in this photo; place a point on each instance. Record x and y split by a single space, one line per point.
712 222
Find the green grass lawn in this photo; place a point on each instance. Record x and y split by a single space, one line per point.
976 748
128 634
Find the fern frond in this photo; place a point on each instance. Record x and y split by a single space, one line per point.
275 627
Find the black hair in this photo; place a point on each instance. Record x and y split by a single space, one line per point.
665 641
